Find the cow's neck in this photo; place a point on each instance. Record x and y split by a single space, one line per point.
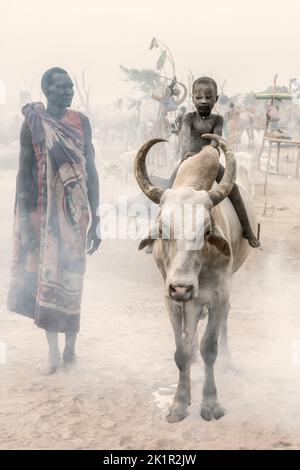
198 171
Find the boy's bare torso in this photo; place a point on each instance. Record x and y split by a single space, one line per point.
194 127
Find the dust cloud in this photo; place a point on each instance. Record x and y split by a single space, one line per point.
117 394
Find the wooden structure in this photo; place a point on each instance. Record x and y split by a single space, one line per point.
279 142
273 97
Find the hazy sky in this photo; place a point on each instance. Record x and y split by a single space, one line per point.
227 39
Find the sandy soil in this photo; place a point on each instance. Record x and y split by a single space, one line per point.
117 395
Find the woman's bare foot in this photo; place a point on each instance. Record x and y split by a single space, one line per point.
69 358
53 363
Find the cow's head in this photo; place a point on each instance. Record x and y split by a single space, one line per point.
184 227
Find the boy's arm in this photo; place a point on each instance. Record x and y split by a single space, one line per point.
219 126
94 240
218 129
185 134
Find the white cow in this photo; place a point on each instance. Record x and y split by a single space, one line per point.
197 263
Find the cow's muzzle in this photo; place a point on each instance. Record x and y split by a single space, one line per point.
181 293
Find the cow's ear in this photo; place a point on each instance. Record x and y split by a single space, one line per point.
145 242
154 232
219 242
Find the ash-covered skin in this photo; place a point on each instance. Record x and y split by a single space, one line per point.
200 122
57 87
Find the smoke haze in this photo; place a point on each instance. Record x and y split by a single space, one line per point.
218 39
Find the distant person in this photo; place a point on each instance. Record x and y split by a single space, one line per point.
167 100
272 115
179 118
176 129
57 188
233 124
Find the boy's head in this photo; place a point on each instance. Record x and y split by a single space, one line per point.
205 95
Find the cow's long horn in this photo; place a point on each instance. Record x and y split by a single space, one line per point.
152 192
226 184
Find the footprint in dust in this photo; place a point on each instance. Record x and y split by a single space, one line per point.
35 387
163 397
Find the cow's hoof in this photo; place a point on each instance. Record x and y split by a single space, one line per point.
218 411
177 414
69 357
208 412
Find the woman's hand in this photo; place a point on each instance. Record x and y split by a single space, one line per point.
93 236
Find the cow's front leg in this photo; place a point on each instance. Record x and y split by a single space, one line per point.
224 350
185 326
209 350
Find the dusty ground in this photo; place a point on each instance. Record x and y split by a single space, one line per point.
116 396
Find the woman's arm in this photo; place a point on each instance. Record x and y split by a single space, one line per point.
94 239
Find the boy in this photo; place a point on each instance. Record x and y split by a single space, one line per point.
202 121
